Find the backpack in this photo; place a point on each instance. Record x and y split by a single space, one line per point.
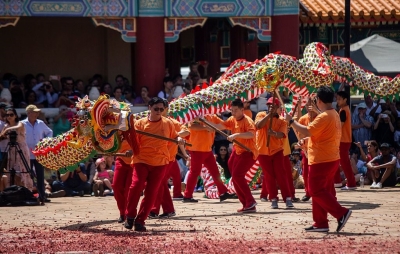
17 195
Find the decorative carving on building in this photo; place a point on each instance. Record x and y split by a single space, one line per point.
8 22
261 25
284 7
151 4
126 26
174 26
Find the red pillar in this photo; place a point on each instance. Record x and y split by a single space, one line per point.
150 54
242 45
285 35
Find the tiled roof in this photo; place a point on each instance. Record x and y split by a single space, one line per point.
361 10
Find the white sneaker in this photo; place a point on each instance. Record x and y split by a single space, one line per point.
378 186
348 188
373 185
338 185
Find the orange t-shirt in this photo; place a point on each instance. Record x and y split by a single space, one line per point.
304 120
202 140
275 144
248 113
323 144
239 126
154 151
172 147
125 147
346 128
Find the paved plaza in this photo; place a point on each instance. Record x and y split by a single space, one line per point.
89 225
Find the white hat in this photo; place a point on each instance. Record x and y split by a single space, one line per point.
382 101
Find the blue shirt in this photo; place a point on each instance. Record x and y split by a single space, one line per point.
35 133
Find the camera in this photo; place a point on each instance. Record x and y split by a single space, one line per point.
384 115
12 135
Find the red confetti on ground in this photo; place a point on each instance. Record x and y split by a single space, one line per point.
101 240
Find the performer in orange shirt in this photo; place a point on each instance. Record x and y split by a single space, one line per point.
345 142
164 197
122 178
247 110
202 138
271 158
323 158
305 120
150 163
241 160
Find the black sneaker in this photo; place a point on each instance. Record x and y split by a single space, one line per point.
189 200
342 221
295 200
315 229
305 198
167 215
121 219
140 228
152 215
129 223
226 196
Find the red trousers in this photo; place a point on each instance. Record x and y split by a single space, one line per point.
238 166
143 174
164 197
197 160
305 166
121 182
175 173
274 172
322 191
288 172
346 166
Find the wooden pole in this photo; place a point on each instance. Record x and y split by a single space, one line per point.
224 134
271 118
160 137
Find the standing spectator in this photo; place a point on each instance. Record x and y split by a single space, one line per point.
31 99
118 94
119 81
61 121
361 125
168 91
384 129
143 99
36 130
40 78
67 95
17 93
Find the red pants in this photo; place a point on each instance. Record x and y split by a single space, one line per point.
198 159
164 197
289 178
175 173
121 182
238 166
346 166
143 174
274 172
322 191
304 162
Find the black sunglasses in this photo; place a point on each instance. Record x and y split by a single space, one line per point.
10 115
158 109
223 149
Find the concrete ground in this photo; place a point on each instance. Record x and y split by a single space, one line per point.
89 224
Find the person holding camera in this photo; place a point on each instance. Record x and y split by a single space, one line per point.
36 130
14 131
61 121
384 128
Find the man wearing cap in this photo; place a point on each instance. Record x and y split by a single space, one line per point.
385 164
361 124
271 157
36 130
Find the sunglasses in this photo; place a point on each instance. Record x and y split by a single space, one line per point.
222 149
10 115
158 109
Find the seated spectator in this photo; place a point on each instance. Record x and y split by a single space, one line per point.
61 121
30 99
17 91
119 80
168 90
49 192
222 159
106 89
361 125
103 178
384 164
74 183
143 99
186 90
297 161
128 95
118 94
79 88
298 181
110 162
68 96
397 135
